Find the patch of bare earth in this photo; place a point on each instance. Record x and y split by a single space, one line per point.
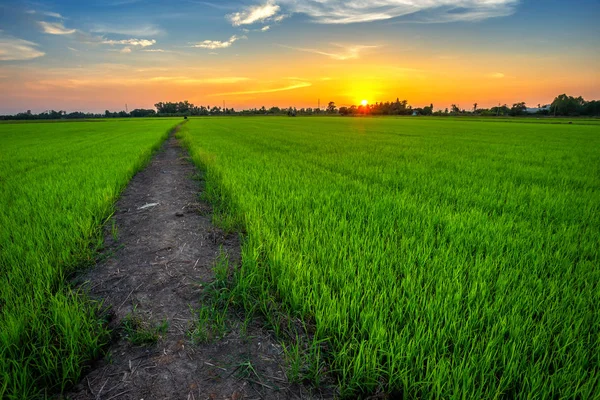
153 281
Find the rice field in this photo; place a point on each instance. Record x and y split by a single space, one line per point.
433 258
58 184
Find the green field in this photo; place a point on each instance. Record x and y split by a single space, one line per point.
58 184
429 258
433 258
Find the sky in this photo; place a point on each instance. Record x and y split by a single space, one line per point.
95 55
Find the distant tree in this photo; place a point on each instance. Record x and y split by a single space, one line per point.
567 105
140 112
518 109
455 109
474 107
591 108
500 110
331 108
427 110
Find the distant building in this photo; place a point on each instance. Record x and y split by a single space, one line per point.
533 110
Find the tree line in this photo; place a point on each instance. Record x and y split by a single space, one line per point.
562 105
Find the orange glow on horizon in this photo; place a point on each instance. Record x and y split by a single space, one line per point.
244 83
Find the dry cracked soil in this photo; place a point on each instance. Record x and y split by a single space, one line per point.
161 251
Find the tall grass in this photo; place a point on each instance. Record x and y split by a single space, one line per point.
436 259
58 184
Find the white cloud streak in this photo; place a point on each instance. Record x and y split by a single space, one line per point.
131 42
140 31
53 15
254 14
347 53
355 11
13 49
217 44
55 28
297 85
199 81
46 13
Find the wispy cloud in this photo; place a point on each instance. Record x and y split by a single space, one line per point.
353 11
122 2
496 75
126 50
347 52
254 14
296 85
265 28
53 15
55 28
13 49
217 44
201 81
131 42
140 31
213 5
155 51
46 13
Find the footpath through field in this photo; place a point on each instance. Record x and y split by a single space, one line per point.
163 250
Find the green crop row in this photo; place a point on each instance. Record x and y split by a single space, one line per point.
435 258
58 185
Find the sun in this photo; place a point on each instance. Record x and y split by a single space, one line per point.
364 102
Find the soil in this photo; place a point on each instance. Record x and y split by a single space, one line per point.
157 270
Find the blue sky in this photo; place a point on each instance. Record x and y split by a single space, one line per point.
72 53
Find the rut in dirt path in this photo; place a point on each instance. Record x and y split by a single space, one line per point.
163 260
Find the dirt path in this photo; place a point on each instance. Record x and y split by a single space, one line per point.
164 254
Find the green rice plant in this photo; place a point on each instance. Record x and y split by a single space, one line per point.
434 258
211 324
140 333
58 184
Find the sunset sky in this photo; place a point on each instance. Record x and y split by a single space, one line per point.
96 55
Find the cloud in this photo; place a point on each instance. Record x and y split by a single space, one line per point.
213 5
140 31
265 28
155 51
126 50
122 3
131 42
46 13
353 11
254 14
216 44
55 28
206 81
296 85
496 75
53 15
347 53
13 49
